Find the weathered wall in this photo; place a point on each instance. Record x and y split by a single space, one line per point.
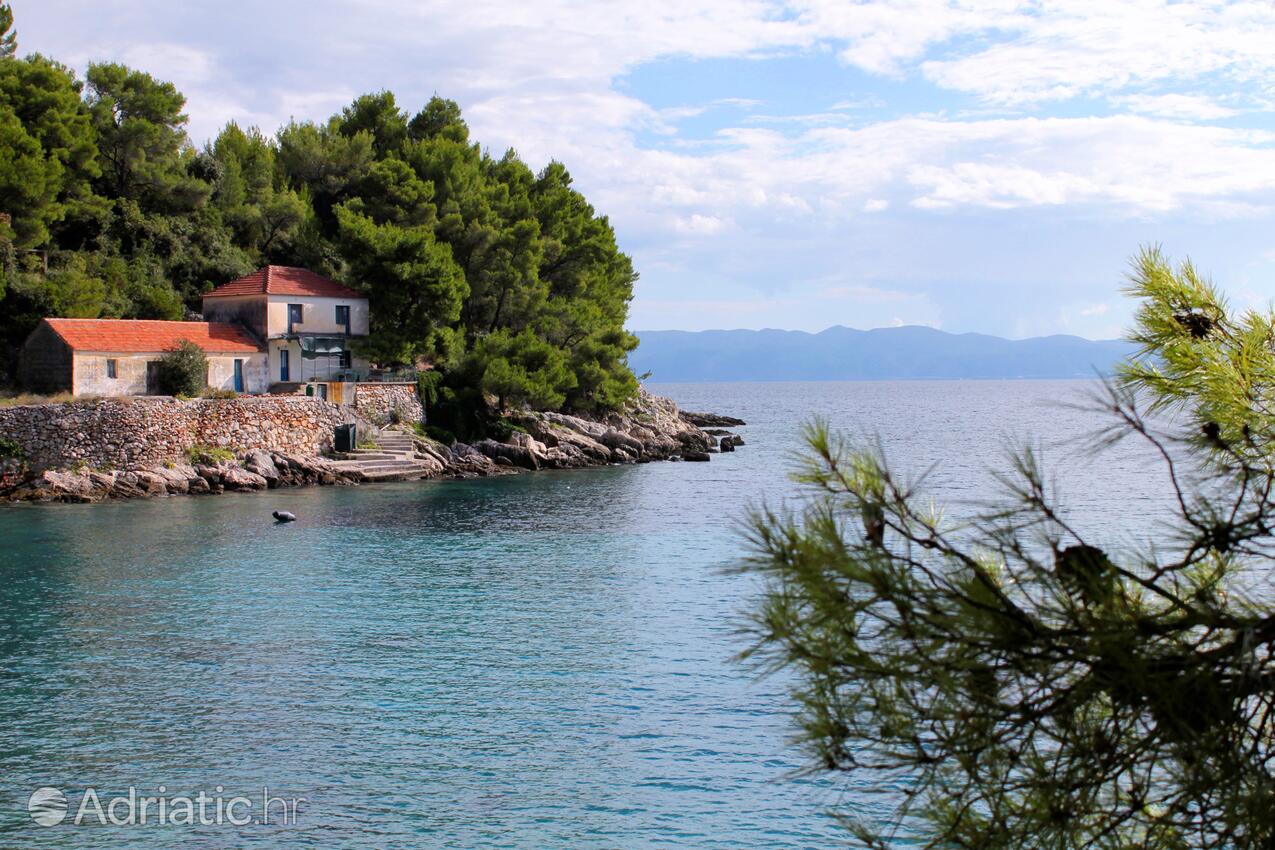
221 372
128 433
248 310
45 363
130 373
377 402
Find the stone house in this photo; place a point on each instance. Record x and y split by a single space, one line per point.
116 357
276 330
305 321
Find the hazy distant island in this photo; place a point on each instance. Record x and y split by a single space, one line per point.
845 354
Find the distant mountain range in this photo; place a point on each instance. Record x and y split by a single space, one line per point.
845 354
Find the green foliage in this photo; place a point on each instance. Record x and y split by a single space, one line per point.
440 435
209 455
504 280
8 37
183 371
10 449
44 97
1024 687
412 278
143 149
523 370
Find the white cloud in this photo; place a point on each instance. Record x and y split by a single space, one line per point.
700 225
873 205
1094 310
1186 106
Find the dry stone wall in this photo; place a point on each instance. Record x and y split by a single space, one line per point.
378 402
131 433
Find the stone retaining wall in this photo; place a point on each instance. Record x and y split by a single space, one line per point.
377 402
131 433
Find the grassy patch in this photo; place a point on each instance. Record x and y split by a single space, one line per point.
8 399
209 455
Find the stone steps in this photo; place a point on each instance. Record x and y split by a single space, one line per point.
386 470
393 459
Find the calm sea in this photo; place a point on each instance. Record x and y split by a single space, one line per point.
539 661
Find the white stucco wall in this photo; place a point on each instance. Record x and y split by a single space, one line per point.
130 373
221 372
89 372
318 315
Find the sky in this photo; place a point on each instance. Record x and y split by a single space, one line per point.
974 165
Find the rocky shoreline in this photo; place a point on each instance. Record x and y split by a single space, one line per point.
651 428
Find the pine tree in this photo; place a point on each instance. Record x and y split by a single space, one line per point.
8 35
1022 685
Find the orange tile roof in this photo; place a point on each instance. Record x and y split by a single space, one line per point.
284 280
143 335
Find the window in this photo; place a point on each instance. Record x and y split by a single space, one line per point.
110 369
238 376
347 362
283 365
343 318
294 316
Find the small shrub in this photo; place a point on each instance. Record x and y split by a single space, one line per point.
10 449
365 443
209 455
217 392
183 371
396 415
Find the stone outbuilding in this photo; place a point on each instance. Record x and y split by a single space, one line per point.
118 357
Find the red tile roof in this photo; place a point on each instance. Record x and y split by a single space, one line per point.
284 280
142 335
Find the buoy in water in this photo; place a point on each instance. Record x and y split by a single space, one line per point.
284 516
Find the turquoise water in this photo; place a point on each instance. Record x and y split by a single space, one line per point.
535 661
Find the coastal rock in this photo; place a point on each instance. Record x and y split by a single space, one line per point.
700 457
726 445
507 454
237 478
704 420
55 486
260 463
616 441
151 483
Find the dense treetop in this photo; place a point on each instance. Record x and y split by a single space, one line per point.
505 279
